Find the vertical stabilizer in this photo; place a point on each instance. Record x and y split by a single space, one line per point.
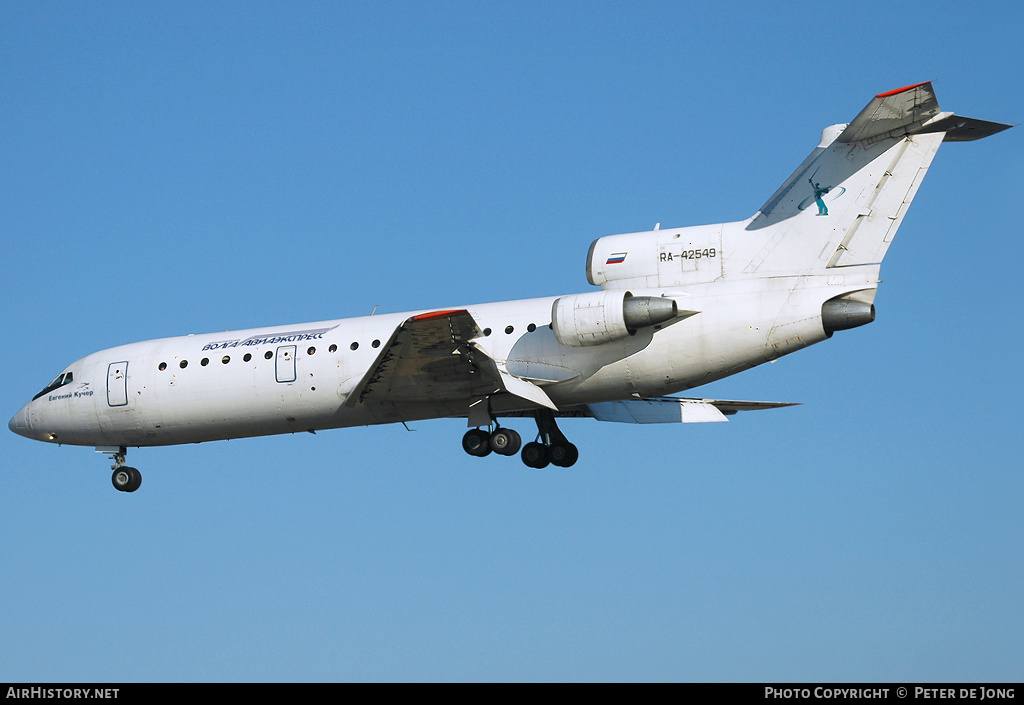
881 205
844 203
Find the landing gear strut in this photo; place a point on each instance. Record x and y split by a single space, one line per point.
125 478
551 445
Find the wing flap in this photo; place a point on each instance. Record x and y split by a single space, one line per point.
655 411
525 390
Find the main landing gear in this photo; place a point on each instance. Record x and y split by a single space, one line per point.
503 441
125 478
550 446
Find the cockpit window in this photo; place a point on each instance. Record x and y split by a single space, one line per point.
61 380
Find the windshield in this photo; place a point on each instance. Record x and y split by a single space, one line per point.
62 379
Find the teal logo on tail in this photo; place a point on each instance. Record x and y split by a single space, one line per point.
818 195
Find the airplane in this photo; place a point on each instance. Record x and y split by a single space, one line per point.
676 308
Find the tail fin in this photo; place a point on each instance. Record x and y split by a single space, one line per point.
843 205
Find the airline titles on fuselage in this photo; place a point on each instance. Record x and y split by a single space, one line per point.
270 339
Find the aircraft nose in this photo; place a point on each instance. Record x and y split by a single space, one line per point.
19 422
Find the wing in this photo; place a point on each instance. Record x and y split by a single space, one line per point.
674 410
431 358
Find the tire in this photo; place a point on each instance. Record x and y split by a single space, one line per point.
476 442
535 455
126 479
121 479
136 481
564 456
505 441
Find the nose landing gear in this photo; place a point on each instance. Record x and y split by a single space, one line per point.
125 478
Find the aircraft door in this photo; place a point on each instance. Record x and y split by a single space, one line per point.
286 363
117 384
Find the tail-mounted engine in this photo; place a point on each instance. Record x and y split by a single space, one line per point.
845 312
604 316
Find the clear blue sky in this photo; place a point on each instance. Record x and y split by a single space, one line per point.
191 167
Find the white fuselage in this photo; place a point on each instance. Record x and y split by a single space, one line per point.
283 379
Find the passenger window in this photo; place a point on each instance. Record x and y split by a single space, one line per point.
226 359
247 357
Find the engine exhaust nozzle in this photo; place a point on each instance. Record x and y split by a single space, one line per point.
843 314
643 311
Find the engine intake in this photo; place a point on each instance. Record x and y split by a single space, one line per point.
604 316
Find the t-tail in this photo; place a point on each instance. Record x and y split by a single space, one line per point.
839 210
845 202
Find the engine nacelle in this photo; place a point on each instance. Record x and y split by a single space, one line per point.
604 316
843 313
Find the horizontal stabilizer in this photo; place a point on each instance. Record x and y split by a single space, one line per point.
674 410
891 112
963 129
914 110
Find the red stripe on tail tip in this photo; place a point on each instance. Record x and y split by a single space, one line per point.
900 90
